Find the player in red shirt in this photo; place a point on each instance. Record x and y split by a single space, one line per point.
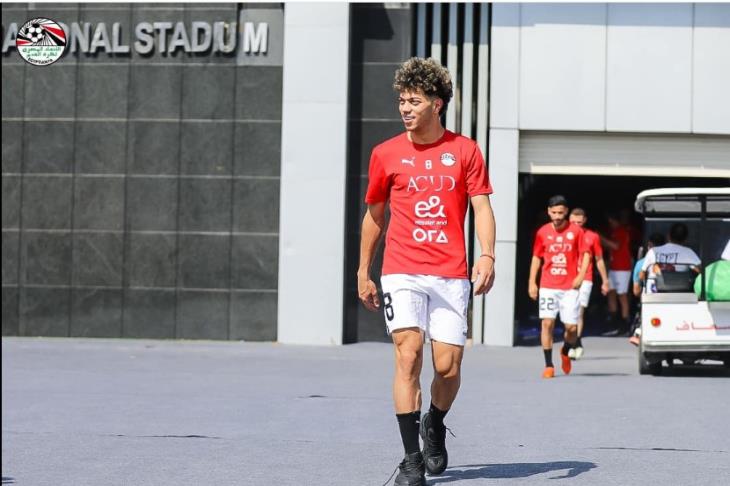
619 272
427 176
593 241
562 247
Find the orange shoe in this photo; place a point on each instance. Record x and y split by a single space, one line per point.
565 363
548 372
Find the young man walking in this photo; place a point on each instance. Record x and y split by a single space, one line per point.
619 274
427 176
562 247
593 242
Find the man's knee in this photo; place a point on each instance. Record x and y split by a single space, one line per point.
548 324
447 361
409 361
408 357
447 367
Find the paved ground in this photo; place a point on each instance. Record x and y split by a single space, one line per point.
122 412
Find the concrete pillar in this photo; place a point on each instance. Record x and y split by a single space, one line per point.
503 169
313 172
499 304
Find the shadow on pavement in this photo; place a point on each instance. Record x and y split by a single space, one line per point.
509 471
700 371
601 374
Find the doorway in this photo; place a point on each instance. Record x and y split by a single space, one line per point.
597 195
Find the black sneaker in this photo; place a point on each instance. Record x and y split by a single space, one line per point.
434 446
412 471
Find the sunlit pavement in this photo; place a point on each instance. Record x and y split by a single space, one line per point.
124 412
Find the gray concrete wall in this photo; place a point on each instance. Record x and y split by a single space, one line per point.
382 38
141 193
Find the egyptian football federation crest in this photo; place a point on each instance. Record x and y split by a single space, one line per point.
448 159
41 41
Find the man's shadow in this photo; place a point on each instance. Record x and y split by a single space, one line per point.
509 471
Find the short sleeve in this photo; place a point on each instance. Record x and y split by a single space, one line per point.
649 260
477 177
597 248
538 249
695 259
584 242
378 181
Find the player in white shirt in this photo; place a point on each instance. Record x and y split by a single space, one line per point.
673 254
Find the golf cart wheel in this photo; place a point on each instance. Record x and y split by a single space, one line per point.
647 367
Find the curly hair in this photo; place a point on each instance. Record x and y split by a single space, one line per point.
426 75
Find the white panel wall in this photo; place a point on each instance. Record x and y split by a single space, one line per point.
311 253
711 90
503 171
649 71
505 66
654 68
499 304
652 155
563 66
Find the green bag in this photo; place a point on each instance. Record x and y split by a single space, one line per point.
717 283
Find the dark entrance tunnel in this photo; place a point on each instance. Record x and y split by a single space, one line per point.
597 195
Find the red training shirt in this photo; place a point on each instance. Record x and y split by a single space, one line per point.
561 252
428 187
621 257
593 242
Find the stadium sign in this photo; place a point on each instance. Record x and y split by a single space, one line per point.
41 41
160 37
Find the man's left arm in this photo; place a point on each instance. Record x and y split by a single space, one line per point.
582 271
601 266
482 274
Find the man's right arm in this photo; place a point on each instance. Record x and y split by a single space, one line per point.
609 243
649 260
373 226
534 267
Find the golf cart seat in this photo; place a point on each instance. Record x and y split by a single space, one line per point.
668 281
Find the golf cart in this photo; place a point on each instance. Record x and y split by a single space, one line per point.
681 315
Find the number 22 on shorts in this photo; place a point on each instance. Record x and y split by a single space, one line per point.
548 303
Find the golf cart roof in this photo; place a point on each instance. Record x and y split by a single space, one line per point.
684 201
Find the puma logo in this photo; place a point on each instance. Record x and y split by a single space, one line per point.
410 161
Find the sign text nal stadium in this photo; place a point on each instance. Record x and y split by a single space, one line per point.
161 37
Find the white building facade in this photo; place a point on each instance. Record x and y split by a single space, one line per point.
574 89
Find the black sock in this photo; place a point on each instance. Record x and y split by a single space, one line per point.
566 348
579 343
548 357
409 424
437 415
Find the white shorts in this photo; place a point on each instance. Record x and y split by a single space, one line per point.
437 305
618 280
584 293
565 302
